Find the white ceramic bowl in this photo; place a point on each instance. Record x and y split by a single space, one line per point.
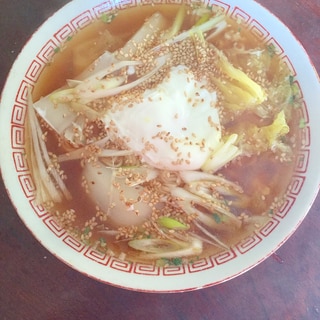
206 272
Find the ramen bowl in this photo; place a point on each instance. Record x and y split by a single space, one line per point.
107 268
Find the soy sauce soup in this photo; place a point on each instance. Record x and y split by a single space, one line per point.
178 146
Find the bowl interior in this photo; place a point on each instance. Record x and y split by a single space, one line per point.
208 271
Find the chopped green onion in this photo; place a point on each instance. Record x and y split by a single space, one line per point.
171 262
86 230
103 242
292 99
271 50
107 18
171 223
203 19
291 80
216 218
302 123
176 26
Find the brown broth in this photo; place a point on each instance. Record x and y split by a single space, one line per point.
62 66
262 177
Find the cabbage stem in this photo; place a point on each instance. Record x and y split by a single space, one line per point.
161 248
49 184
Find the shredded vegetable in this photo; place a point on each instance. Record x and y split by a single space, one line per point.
50 185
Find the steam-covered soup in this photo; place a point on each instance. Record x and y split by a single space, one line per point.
165 139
